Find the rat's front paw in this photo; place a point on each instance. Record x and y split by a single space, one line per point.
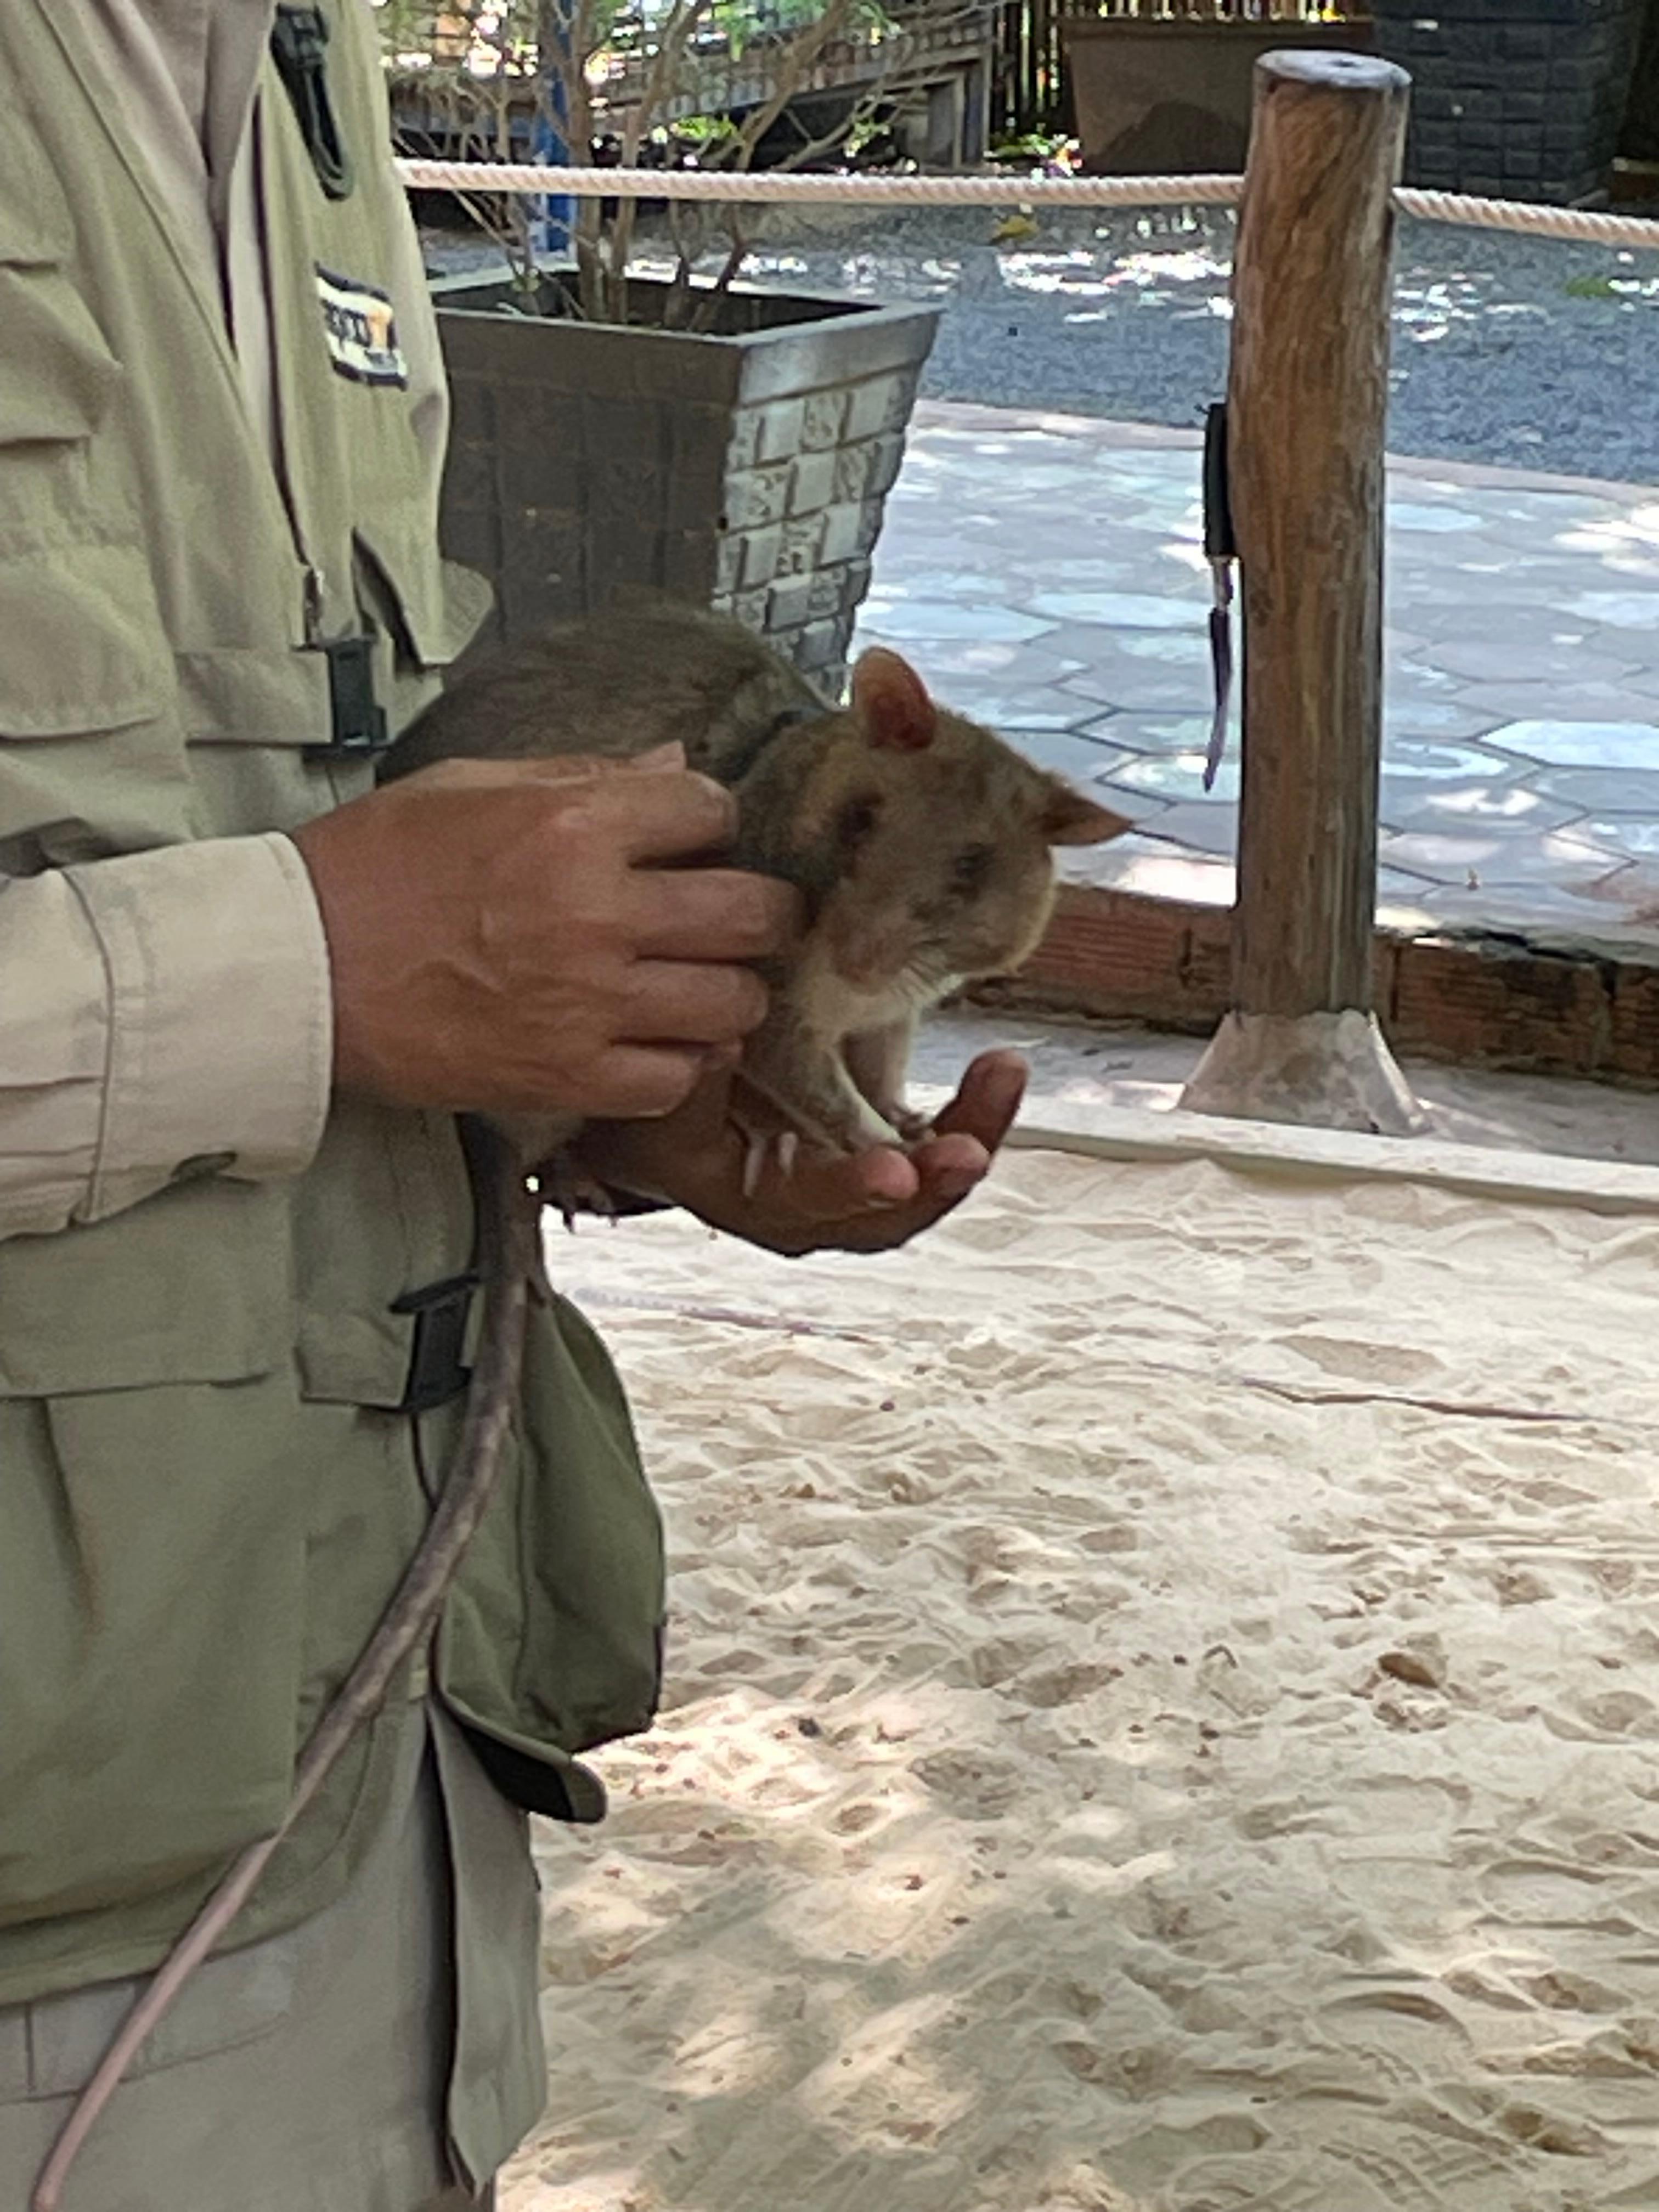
906 1125
570 1187
762 1140
773 1120
759 1144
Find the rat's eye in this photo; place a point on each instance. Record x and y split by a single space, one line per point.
857 820
969 869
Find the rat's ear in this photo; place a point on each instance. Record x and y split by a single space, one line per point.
892 701
1070 817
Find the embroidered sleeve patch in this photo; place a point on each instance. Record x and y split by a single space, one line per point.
360 332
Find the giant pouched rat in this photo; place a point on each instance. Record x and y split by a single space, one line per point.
919 842
922 846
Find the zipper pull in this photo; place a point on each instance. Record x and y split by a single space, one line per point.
316 586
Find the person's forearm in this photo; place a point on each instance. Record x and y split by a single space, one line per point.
161 1014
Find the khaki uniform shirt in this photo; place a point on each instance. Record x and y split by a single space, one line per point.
121 1057
119 1061
219 1373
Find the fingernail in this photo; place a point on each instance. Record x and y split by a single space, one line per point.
892 1198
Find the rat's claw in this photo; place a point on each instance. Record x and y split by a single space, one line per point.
573 1191
754 1159
788 1152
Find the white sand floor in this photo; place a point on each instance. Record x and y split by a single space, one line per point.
1162 1715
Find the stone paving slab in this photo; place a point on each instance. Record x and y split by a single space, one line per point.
1046 574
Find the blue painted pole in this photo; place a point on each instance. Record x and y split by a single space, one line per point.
554 219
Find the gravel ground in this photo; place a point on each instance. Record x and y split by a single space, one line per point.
1522 352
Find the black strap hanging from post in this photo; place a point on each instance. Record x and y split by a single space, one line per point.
1221 552
299 47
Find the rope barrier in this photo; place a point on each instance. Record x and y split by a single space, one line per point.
779 188
1583 224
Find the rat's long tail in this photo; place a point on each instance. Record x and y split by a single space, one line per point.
508 1226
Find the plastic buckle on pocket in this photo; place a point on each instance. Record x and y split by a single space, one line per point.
442 1312
356 719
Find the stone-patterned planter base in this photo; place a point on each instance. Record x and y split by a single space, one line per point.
1513 99
745 470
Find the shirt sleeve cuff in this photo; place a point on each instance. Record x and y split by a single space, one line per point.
220 1032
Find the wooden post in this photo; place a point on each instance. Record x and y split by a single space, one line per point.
1307 402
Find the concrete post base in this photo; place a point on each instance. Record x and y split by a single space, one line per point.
1333 1071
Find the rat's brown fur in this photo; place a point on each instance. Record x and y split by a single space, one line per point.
919 842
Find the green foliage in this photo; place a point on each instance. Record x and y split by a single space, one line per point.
1030 146
704 131
641 28
746 23
406 26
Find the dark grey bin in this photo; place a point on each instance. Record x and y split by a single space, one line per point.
1513 99
746 469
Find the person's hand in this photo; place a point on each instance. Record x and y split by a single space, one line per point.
515 936
865 1202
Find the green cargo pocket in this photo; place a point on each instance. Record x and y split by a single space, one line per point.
552 1638
88 704
58 377
36 227
195 1286
149 1542
52 2048
432 607
86 652
152 1591
57 374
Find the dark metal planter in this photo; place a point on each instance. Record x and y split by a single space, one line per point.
1640 142
1168 96
1513 99
746 469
